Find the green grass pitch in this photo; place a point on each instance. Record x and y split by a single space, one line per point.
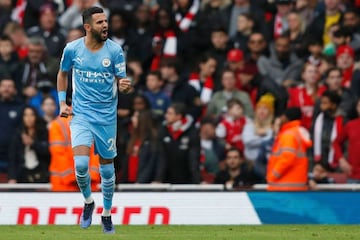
181 232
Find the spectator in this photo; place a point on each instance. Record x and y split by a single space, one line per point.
229 15
304 8
238 172
202 78
49 30
5 13
231 126
323 21
305 96
319 175
37 64
45 89
165 39
139 163
279 24
260 130
297 34
9 61
315 48
217 104
212 151
282 67
348 142
287 168
72 18
351 20
29 150
17 34
219 48
11 109
74 33
62 176
345 57
327 126
178 89
245 26
159 101
48 108
118 29
179 149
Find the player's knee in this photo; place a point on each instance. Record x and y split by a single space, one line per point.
81 164
107 171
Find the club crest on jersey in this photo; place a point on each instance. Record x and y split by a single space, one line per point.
106 62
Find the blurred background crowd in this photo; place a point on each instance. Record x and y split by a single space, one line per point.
211 78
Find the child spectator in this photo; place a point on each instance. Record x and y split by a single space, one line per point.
315 48
245 26
212 151
159 101
238 173
327 126
231 126
319 175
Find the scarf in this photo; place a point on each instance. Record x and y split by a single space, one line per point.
347 77
179 127
278 26
318 127
19 11
169 47
184 23
206 90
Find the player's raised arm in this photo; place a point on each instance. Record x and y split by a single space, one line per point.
62 79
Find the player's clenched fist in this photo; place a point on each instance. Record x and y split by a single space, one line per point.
65 110
124 85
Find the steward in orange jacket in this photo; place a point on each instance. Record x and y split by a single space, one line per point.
62 172
288 164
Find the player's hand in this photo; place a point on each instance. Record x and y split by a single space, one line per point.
65 110
124 85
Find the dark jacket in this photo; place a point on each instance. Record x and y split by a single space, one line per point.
17 169
179 158
148 158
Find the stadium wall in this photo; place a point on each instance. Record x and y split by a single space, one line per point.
192 208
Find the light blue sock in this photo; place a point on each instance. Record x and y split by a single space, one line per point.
82 174
107 173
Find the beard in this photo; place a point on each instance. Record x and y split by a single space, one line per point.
98 36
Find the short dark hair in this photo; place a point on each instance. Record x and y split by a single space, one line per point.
6 38
87 14
156 73
234 101
293 113
179 108
333 69
333 96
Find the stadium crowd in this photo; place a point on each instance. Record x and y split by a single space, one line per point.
212 80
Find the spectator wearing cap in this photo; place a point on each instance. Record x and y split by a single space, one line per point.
236 63
322 23
49 30
288 165
345 56
217 103
259 131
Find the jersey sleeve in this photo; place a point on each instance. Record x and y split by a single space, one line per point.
66 61
119 63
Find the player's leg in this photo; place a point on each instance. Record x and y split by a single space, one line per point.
105 139
81 138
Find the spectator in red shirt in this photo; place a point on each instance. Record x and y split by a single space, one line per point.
350 164
305 95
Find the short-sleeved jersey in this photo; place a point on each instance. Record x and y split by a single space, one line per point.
93 77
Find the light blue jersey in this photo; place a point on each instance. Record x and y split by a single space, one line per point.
93 74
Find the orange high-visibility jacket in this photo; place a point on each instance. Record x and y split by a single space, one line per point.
62 172
288 164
